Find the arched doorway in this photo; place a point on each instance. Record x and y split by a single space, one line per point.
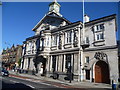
102 72
40 64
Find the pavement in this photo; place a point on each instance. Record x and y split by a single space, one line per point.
64 84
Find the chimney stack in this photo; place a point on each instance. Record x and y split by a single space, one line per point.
86 18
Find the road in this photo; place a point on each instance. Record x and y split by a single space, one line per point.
15 83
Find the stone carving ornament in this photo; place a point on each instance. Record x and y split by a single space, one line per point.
101 56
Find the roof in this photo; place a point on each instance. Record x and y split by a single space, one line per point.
50 14
54 3
100 19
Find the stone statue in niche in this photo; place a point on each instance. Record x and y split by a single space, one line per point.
60 42
75 39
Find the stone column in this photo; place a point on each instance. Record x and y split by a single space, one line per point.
72 59
72 37
48 64
57 60
63 40
64 63
51 63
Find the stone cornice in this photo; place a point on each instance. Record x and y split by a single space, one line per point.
101 48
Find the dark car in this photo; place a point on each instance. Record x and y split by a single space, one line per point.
5 72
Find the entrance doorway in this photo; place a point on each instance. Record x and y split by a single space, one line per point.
102 72
42 65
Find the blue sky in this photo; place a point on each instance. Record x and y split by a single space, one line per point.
18 18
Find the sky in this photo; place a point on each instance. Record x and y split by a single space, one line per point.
18 18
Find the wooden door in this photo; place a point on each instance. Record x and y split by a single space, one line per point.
102 72
98 76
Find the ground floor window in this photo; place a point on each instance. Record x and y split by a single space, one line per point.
88 74
54 63
68 61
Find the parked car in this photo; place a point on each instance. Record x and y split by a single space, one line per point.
4 72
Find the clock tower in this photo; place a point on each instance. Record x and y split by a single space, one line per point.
54 7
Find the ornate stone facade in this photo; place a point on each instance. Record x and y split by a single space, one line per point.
65 50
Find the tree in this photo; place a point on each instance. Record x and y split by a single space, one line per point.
19 62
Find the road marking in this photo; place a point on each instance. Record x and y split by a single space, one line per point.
29 85
49 84
32 80
14 81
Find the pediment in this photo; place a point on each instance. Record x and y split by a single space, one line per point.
50 18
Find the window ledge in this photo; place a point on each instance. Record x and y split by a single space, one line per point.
101 30
98 41
53 46
68 44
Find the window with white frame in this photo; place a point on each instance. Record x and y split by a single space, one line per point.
54 40
99 27
99 36
68 37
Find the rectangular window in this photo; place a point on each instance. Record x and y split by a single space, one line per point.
87 74
86 40
68 37
99 36
54 63
54 40
99 27
92 28
87 59
68 61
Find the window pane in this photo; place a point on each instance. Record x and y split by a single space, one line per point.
87 39
97 26
92 28
97 37
101 36
87 59
101 26
68 37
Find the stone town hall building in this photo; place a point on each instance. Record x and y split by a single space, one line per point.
60 47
